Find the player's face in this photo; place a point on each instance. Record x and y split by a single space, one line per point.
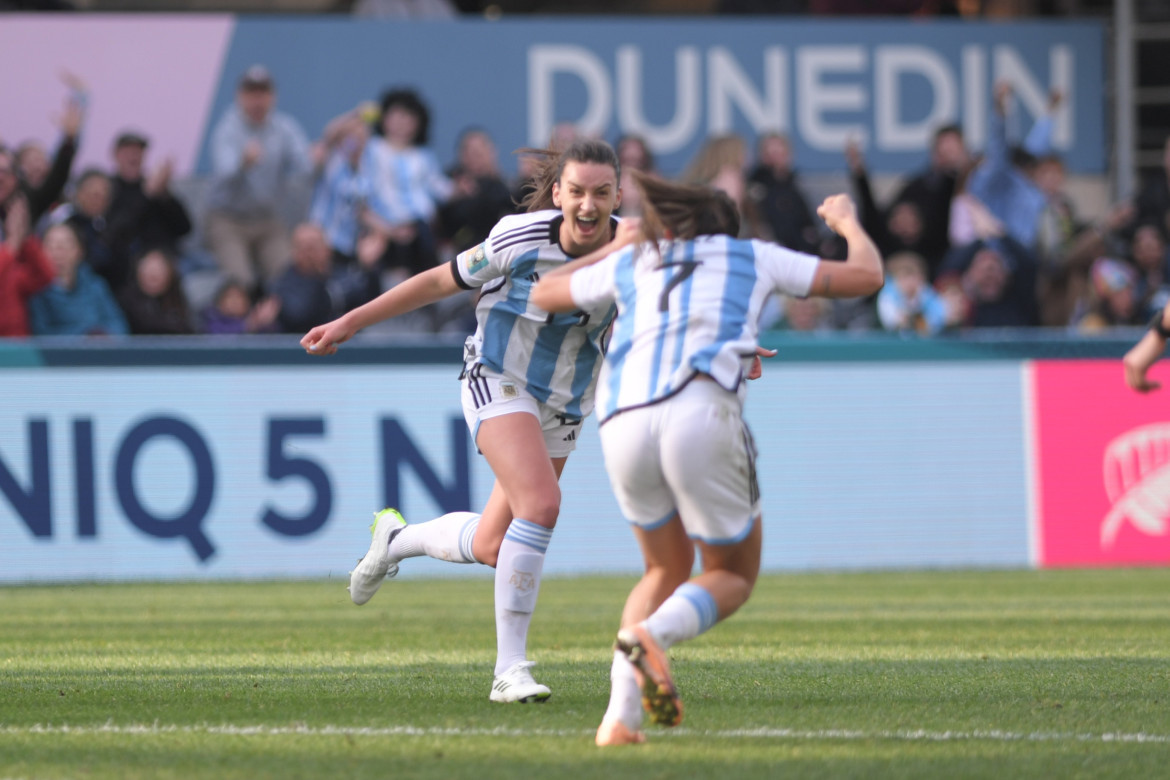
587 194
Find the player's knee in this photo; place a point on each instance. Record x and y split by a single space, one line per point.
486 552
541 508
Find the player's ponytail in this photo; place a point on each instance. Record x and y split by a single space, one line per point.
552 165
684 211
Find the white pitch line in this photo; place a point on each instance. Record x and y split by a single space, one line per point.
993 735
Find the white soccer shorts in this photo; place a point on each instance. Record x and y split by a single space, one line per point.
692 454
487 394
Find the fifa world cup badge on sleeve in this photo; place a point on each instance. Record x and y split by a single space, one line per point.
476 258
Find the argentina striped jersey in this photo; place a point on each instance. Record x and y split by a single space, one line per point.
337 199
691 307
405 184
556 357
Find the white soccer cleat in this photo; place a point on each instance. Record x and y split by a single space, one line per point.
376 566
516 684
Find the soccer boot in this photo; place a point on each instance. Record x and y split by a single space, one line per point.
376 566
516 684
659 696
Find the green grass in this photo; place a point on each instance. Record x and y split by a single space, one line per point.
899 675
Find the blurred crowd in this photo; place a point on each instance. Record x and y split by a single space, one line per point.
976 238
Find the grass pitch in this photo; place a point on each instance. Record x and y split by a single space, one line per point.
899 675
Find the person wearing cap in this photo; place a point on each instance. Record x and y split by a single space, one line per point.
257 154
143 213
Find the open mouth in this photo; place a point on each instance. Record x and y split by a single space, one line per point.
587 224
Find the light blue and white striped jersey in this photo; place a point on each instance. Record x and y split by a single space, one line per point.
406 184
556 357
691 307
337 201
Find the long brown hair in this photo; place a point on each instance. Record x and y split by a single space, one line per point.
684 210
550 168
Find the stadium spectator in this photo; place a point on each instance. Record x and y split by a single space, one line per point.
1112 297
1149 256
1153 200
634 155
258 154
901 227
143 213
481 197
562 136
926 198
341 190
78 302
42 180
883 7
996 278
405 9
86 213
303 288
798 315
908 304
1059 223
1005 180
25 270
406 186
969 218
526 441
721 162
677 450
153 301
232 312
777 198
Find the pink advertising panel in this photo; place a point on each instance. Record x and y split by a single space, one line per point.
1102 466
153 74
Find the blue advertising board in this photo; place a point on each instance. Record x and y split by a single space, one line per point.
889 84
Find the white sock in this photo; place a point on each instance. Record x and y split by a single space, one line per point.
625 698
688 612
447 538
518 570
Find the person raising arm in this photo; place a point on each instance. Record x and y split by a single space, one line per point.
527 384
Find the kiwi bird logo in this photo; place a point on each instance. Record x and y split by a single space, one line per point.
1137 481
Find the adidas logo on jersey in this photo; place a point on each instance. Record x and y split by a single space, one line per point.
571 437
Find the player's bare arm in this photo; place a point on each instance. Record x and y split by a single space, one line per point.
552 294
1143 355
431 285
861 273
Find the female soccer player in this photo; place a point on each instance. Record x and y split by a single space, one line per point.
670 400
528 382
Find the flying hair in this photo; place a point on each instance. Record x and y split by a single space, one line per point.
552 165
684 211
